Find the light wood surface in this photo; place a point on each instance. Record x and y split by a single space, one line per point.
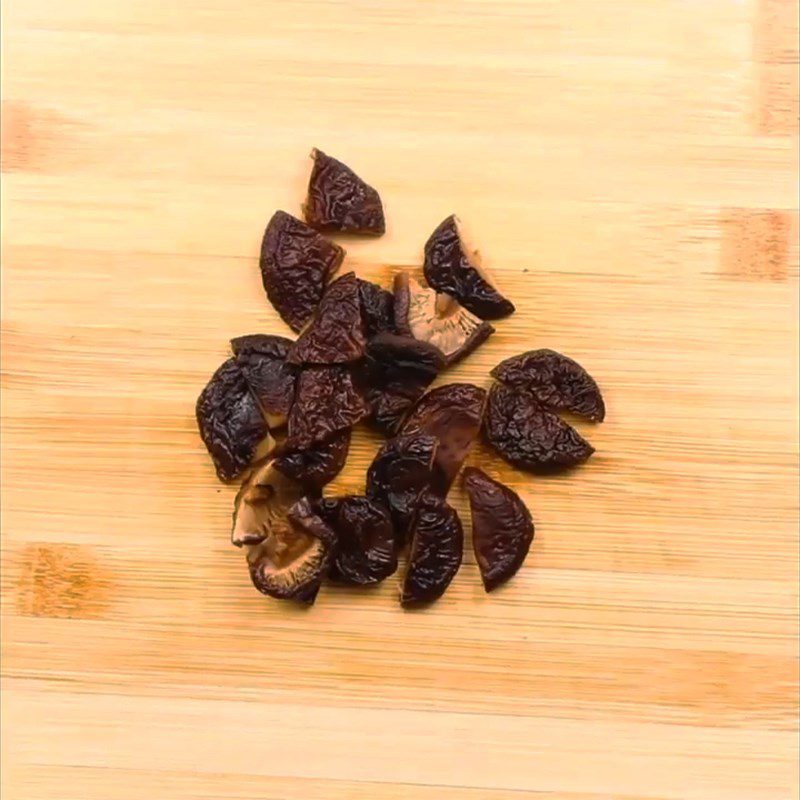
629 169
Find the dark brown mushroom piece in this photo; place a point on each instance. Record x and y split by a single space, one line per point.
296 264
452 414
336 334
454 267
318 466
437 318
556 381
339 201
396 372
291 564
399 473
377 308
262 504
366 552
262 359
502 528
230 422
529 436
437 546
325 402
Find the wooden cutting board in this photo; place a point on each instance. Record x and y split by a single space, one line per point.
629 169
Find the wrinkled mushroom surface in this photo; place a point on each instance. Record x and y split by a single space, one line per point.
230 422
556 381
336 333
262 359
502 528
399 473
395 374
529 436
437 545
339 200
454 267
452 414
296 263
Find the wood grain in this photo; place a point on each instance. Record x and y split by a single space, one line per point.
630 171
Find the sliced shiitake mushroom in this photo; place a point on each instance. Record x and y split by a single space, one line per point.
319 465
262 359
336 334
377 308
296 263
437 545
366 552
326 401
502 528
291 563
262 503
453 266
556 381
339 200
400 471
437 318
395 374
452 414
528 435
230 422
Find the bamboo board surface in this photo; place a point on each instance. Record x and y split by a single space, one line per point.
629 169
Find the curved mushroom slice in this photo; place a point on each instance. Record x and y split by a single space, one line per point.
230 422
262 503
296 263
397 371
437 546
452 266
377 308
326 401
555 381
399 473
437 318
336 334
502 528
338 200
318 466
529 436
291 563
453 414
262 360
366 551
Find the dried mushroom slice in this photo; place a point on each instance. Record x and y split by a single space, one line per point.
397 370
437 318
366 551
338 200
502 528
529 436
325 402
230 422
452 266
262 359
336 334
377 308
437 546
400 471
452 414
555 381
290 564
296 264
318 466
262 503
